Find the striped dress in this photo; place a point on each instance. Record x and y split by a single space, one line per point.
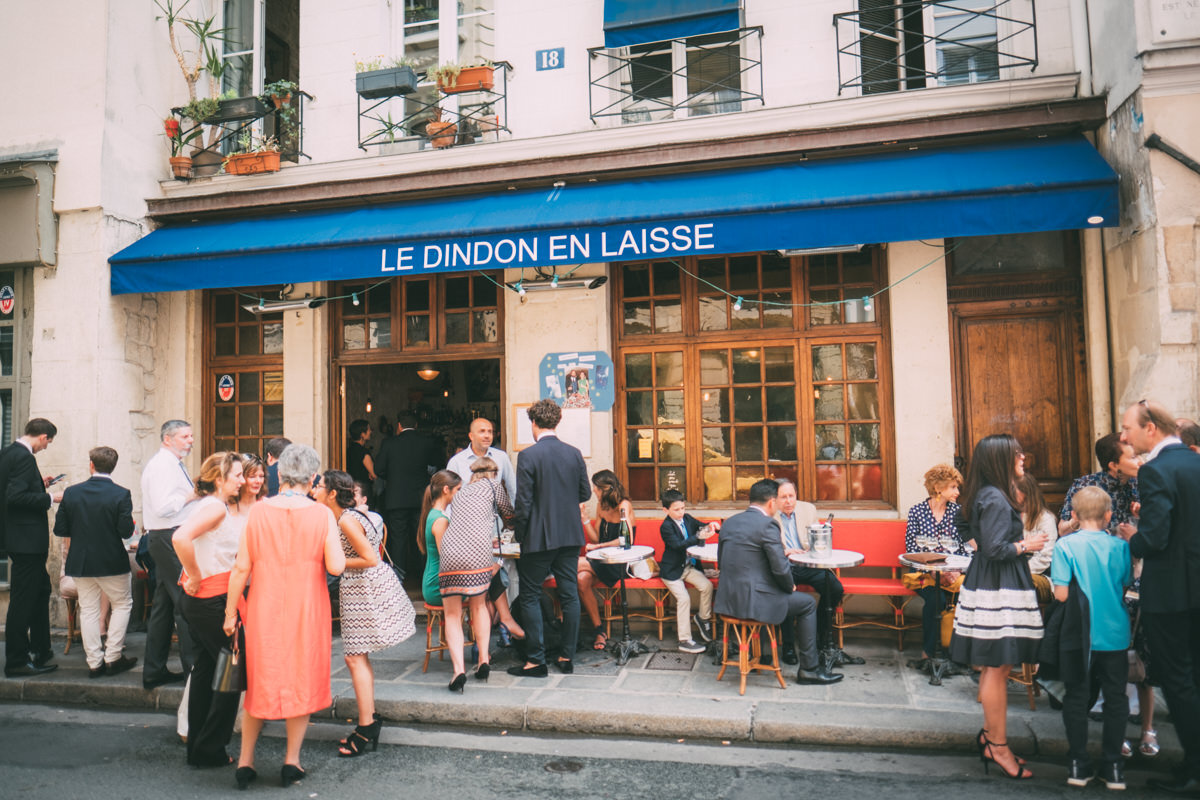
465 553
376 612
997 621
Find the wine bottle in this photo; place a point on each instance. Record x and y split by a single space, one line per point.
625 536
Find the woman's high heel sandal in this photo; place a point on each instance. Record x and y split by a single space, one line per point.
460 680
986 755
483 671
244 776
356 743
290 775
1149 746
982 742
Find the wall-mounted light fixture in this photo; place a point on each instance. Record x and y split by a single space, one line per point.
520 287
275 306
820 251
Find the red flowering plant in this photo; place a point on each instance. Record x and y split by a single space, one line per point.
177 136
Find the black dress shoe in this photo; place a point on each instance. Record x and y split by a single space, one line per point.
98 672
1181 785
154 681
122 664
844 658
565 667
42 659
29 668
789 657
536 671
814 677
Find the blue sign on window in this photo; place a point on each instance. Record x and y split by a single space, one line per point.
550 59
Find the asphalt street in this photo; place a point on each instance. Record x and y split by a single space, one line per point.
63 752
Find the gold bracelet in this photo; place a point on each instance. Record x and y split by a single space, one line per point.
230 614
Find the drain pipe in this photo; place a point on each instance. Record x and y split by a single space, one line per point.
1156 142
1081 44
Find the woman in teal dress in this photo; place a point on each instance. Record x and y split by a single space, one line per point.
434 521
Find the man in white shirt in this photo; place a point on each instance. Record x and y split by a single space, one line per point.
481 435
166 491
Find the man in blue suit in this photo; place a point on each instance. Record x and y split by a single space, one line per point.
1167 539
25 533
552 481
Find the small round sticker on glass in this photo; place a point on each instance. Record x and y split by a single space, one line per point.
8 299
225 388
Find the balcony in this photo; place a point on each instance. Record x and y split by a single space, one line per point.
239 118
712 74
898 45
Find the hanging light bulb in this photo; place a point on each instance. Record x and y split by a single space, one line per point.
521 288
261 304
368 405
354 298
866 303
554 281
737 304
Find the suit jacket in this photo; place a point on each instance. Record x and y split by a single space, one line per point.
1168 536
24 525
675 545
756 577
405 462
96 515
806 514
552 481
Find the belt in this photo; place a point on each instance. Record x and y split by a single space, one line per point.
163 530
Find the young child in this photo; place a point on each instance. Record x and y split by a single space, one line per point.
680 531
1100 565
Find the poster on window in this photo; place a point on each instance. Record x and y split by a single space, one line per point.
580 380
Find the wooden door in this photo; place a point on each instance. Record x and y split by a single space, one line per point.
1019 369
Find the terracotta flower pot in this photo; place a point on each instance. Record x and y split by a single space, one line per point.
442 134
250 163
471 79
181 166
281 100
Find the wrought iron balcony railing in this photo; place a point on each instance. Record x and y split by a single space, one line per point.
894 45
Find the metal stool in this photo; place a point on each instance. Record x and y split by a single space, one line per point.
749 646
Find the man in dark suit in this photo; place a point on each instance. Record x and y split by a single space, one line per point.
406 461
552 481
1168 540
271 452
95 516
25 532
756 579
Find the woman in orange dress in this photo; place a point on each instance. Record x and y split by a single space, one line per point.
289 545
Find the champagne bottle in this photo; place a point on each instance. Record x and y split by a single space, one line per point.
625 536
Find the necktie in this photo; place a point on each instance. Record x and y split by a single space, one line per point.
186 477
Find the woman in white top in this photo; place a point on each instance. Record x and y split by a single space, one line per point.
207 546
1037 518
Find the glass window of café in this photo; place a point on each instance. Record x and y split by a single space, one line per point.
741 367
243 374
16 311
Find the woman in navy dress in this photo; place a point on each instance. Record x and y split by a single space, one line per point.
997 623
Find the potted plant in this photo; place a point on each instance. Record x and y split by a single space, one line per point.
390 136
441 134
253 156
374 79
455 78
280 92
181 165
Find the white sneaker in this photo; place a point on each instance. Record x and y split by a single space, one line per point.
691 646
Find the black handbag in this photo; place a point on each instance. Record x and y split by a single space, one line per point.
230 674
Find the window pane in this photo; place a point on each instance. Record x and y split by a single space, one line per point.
668 316
636 280
225 308
248 388
713 271
381 332
831 482
864 441
747 404
641 446
743 274
864 400
716 444
416 295
352 306
668 368
248 340
781 403
778 361
224 420
418 329
248 421
641 484
749 444
747 317
831 443
485 326
714 367
485 291
249 445
639 408
637 317
456 329
828 314
827 362
714 405
670 445
666 279
866 482
747 477
718 484
6 351
272 338
855 310
828 404
224 444
272 387
354 335
379 300
713 314
776 271
458 292
781 443
746 367
226 341
823 270
672 478
778 316
857 268
637 370
670 408
860 362
272 420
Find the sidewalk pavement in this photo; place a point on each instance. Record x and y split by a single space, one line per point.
882 704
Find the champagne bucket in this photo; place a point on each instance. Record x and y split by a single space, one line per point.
821 536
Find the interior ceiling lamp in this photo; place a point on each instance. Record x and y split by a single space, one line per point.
817 251
559 283
275 306
428 373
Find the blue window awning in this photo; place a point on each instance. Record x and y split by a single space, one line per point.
629 22
975 190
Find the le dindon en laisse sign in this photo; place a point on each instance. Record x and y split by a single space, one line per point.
553 247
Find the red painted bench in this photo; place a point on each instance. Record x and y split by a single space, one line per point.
882 543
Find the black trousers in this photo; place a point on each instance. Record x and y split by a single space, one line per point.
166 615
829 595
210 714
402 541
1174 641
27 625
1109 668
533 569
931 617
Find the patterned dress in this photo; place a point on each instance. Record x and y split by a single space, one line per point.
1124 494
997 621
376 611
465 556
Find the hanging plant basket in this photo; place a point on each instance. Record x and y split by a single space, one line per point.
250 163
181 166
471 79
385 82
239 108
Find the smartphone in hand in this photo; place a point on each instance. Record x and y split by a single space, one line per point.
57 478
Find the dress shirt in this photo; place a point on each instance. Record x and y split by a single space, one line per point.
790 536
460 464
166 490
1157 448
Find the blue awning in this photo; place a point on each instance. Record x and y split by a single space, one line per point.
975 190
629 22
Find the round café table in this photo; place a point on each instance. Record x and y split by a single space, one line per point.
627 647
939 665
831 655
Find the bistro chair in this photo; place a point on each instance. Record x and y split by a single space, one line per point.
749 649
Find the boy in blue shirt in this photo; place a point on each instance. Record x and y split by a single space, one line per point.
1101 567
